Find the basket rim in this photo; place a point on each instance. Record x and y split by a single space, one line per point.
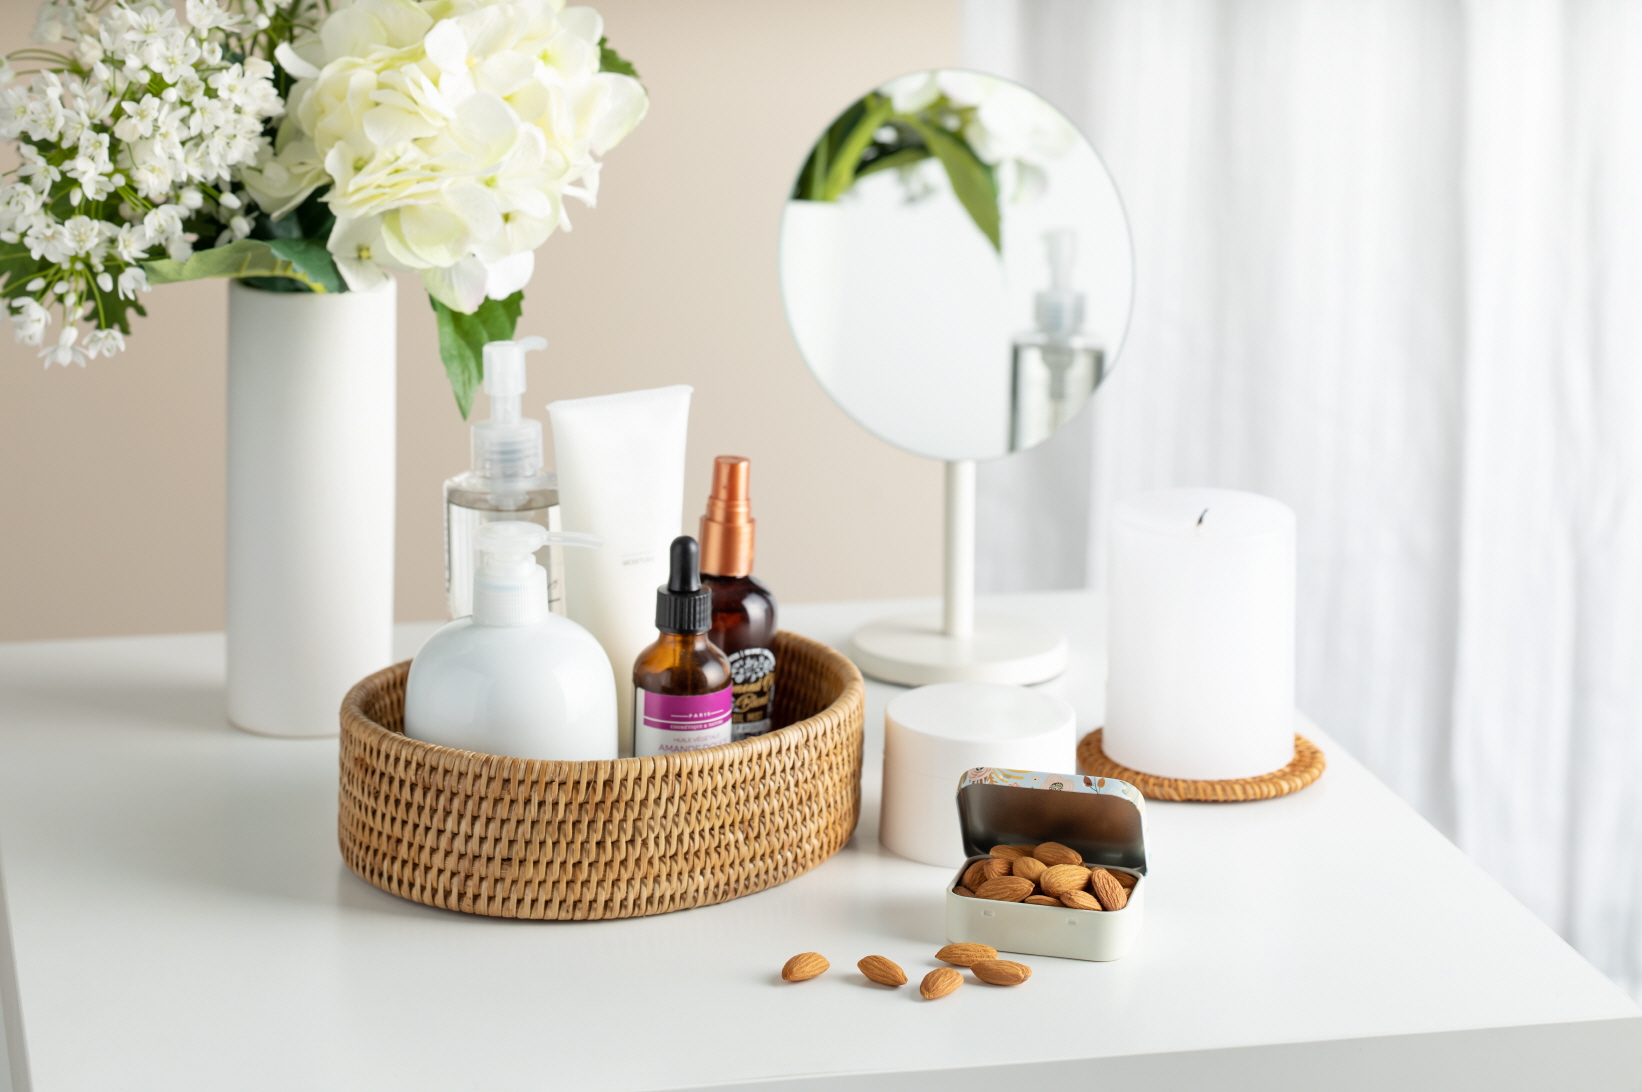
356 721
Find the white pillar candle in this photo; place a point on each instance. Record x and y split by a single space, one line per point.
1200 634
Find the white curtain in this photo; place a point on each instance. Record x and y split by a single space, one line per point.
1389 261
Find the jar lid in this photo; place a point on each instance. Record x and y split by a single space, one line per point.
1101 817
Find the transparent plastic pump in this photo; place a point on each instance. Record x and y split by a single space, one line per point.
509 588
1060 307
507 445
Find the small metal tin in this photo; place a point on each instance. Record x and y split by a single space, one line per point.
1102 818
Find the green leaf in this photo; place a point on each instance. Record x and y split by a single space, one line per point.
312 260
972 181
901 157
847 159
18 267
245 258
611 61
462 341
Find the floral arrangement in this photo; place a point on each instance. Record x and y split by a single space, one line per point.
301 145
991 138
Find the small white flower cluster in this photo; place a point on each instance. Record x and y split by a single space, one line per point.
449 133
130 139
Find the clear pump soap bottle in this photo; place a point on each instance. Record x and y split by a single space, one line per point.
506 483
1055 367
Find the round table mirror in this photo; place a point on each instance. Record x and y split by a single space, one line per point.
956 265
957 272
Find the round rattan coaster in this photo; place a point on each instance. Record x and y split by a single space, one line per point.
1307 767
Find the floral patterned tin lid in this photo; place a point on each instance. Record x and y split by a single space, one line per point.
1101 817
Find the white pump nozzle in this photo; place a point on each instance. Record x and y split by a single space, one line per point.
507 446
509 588
1060 307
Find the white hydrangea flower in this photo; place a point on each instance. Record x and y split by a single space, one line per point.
450 132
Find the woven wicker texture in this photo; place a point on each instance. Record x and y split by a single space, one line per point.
527 838
1307 767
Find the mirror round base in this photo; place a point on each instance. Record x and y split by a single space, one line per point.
913 650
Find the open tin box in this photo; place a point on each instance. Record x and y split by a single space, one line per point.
1102 818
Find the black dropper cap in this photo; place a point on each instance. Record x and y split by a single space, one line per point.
682 604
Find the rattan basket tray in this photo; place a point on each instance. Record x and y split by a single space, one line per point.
527 838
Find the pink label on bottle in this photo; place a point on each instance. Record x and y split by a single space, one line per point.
670 723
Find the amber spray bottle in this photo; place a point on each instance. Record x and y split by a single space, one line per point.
743 609
682 697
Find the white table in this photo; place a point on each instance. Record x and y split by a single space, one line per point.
180 919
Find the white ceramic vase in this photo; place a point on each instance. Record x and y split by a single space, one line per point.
311 426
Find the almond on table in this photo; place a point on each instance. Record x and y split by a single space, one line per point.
940 982
1002 972
804 966
882 971
966 955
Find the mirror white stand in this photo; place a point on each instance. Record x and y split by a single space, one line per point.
954 644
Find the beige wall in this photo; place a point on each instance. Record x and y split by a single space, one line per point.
112 488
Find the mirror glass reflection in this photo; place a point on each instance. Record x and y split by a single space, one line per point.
956 265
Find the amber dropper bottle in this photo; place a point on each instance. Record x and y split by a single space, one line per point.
682 698
743 609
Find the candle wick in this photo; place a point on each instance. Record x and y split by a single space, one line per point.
1201 518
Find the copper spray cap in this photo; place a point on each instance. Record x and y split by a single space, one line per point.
727 528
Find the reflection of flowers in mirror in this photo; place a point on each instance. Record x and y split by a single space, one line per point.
1009 128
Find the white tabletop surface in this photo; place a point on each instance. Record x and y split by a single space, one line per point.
180 919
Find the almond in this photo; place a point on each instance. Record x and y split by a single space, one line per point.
996 867
940 982
1028 868
1026 851
1042 900
1112 895
1060 879
975 875
966 955
882 971
964 891
1002 972
1053 853
1008 853
1005 889
1127 879
804 965
1081 900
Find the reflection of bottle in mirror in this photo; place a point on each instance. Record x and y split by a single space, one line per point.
743 608
1055 368
682 699
506 482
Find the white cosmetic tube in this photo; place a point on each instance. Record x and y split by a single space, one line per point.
621 477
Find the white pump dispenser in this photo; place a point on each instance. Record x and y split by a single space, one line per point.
514 679
506 482
1059 309
1055 368
507 445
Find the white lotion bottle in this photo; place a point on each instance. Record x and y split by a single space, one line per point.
621 478
514 679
